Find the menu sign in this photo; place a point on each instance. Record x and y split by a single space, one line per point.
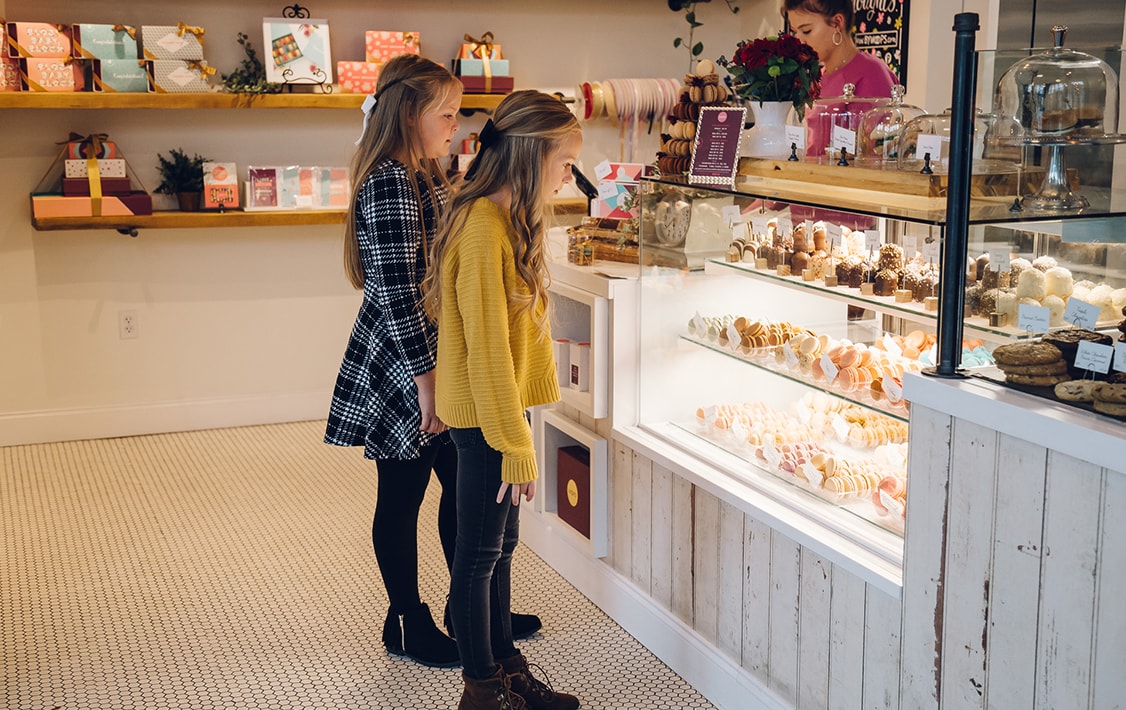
715 156
881 29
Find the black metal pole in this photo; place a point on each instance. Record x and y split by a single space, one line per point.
952 286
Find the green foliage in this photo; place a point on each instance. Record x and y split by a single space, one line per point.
179 173
689 9
250 77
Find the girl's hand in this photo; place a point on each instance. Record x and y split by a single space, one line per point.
430 421
528 490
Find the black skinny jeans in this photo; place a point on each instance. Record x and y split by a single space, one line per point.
394 529
487 533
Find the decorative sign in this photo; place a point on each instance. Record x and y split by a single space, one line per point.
715 156
999 258
844 138
759 224
731 214
1092 356
297 51
928 143
1033 319
1081 314
881 29
931 249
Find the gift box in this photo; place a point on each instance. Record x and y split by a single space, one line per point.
476 67
54 205
109 185
105 41
95 145
38 39
125 76
619 172
107 168
480 48
487 84
614 200
572 488
174 76
9 67
53 75
357 77
381 46
220 186
172 42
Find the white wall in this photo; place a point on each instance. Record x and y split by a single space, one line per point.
248 325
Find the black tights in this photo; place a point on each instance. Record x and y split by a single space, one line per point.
394 529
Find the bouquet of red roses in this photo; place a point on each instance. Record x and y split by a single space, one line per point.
779 68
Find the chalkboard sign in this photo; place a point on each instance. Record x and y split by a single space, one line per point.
881 29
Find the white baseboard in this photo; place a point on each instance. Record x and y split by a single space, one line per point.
715 676
43 426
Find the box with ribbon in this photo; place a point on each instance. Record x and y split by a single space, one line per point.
95 145
53 74
179 41
85 190
126 76
357 77
9 68
381 46
105 41
174 76
38 39
483 48
481 66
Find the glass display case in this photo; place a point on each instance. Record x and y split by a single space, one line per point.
779 357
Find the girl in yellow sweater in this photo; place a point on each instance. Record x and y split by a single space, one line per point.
487 288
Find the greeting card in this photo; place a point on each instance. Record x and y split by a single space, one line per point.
299 51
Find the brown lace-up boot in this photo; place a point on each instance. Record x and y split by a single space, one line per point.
492 693
536 693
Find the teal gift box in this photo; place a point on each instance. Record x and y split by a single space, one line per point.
105 41
476 67
125 76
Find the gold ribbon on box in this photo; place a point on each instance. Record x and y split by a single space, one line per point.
410 39
200 66
93 172
182 29
483 49
127 29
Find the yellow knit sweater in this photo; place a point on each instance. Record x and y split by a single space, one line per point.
492 362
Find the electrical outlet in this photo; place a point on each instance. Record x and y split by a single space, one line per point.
127 324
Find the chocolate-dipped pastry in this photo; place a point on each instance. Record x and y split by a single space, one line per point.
887 282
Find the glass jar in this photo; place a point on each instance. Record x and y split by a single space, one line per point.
880 127
834 112
935 128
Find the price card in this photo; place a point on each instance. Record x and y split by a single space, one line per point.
895 458
785 225
999 258
733 337
1094 357
872 239
602 170
771 454
739 231
892 389
790 355
811 474
929 144
833 232
844 138
699 324
758 224
932 250
910 247
891 346
808 224
1120 357
893 506
731 214
840 426
739 430
795 135
1081 314
829 368
1033 319
607 190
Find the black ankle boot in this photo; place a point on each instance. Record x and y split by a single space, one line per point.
393 634
523 625
423 642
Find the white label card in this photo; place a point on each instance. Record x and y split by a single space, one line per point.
759 224
733 337
795 135
894 507
999 258
790 355
932 144
932 250
808 224
785 225
1120 357
731 214
1033 319
892 389
739 230
771 454
891 346
700 325
910 247
814 476
602 170
840 426
1092 356
844 138
1081 314
829 368
833 232
872 239
607 190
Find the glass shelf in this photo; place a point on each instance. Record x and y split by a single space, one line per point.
213 100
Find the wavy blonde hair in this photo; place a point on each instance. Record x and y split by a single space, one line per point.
409 86
530 126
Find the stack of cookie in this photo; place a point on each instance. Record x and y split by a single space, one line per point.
701 88
1110 397
1037 364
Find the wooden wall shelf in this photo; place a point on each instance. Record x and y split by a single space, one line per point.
193 220
94 100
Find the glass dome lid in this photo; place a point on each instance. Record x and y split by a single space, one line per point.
880 127
1057 96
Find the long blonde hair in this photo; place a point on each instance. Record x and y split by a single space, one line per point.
409 86
527 127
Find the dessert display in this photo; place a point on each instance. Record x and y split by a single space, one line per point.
606 238
702 87
1110 397
1031 363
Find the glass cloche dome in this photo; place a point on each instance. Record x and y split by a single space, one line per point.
880 127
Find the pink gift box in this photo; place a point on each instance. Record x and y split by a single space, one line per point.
357 77
38 39
48 74
9 68
381 46
612 199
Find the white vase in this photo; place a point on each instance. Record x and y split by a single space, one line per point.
767 138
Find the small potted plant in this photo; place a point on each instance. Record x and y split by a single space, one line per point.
181 176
